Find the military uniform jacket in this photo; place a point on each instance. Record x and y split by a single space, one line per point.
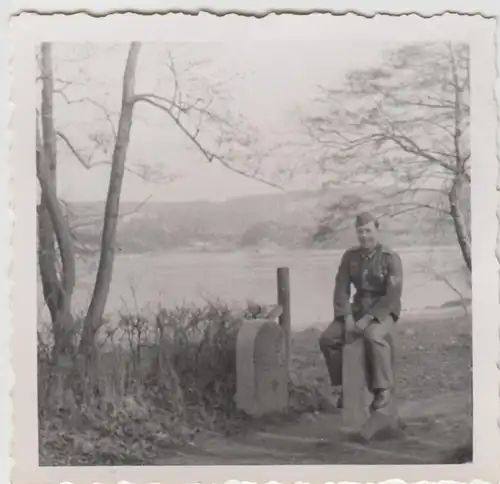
378 280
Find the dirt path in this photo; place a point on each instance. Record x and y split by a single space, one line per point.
432 428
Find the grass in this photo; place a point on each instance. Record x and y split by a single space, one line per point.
163 378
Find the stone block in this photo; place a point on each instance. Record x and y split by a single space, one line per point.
355 393
357 397
261 368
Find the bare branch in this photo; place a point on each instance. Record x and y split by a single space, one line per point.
412 147
88 164
464 302
405 122
98 220
172 103
101 107
209 155
410 207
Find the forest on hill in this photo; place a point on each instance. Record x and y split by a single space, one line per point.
291 220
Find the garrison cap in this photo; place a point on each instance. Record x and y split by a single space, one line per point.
364 218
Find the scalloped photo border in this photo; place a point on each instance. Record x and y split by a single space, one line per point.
28 29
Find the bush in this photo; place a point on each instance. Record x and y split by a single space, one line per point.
154 381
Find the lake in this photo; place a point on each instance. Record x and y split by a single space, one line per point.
145 281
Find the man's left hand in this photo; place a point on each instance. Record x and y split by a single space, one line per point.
363 323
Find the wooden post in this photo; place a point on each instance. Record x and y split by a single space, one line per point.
283 275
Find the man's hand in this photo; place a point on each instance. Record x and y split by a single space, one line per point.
361 324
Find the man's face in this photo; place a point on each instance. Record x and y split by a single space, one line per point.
367 235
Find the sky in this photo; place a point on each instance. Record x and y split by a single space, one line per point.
263 85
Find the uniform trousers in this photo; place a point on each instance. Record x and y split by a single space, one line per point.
378 352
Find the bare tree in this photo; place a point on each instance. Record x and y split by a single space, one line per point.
105 268
190 101
406 125
192 116
52 225
55 245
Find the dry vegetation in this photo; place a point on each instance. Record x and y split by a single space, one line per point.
164 378
158 381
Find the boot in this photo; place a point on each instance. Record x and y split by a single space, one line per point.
382 399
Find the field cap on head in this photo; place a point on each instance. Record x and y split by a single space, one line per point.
364 218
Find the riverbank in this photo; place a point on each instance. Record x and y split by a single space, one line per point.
434 377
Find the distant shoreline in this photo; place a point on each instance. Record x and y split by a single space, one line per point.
174 278
268 252
265 251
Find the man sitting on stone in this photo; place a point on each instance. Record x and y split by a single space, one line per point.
376 273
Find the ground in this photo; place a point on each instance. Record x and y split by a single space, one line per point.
434 378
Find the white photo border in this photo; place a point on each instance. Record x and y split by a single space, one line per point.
28 30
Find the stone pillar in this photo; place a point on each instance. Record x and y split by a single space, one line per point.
355 393
357 397
261 368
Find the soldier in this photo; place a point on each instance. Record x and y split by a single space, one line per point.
377 275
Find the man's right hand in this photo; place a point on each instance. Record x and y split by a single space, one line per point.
350 329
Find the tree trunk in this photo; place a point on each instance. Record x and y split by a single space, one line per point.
459 222
62 291
51 222
47 258
105 268
52 228
47 262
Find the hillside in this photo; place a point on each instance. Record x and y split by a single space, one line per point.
289 220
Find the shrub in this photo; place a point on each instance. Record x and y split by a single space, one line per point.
154 380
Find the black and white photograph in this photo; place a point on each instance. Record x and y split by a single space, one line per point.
258 251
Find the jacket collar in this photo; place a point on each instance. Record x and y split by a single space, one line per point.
369 255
